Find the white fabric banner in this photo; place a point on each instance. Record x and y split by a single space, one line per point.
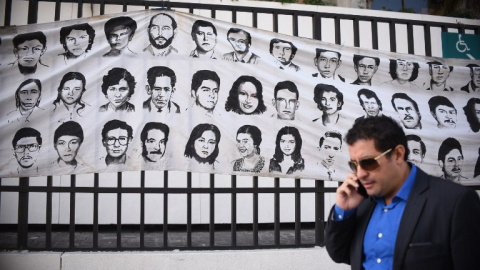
165 90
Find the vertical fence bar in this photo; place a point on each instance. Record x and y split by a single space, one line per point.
319 212
234 16
142 210
189 210
58 6
80 9
71 238
22 231
295 24
119 210
255 211
124 8
276 211
165 209
102 7
428 40
48 215
393 37
338 36
298 216
234 210
212 210
374 34
356 32
275 22
8 13
410 39
32 11
255 19
95 209
317 27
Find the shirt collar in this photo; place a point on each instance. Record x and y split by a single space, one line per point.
406 187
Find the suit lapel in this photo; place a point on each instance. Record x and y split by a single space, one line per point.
357 255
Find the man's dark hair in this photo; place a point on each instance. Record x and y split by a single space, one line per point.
469 110
296 155
320 51
202 23
124 21
255 133
405 97
68 77
436 101
25 133
197 133
65 31
385 132
20 38
276 40
358 57
471 66
160 71
448 145
286 85
174 23
238 30
393 70
114 76
322 88
437 63
330 134
69 128
232 100
416 138
368 94
202 75
154 125
114 124
28 81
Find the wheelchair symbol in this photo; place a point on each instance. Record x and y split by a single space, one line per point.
462 46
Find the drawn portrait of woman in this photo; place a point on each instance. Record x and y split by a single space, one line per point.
203 144
472 112
403 73
27 98
69 98
245 96
77 40
248 145
118 87
287 157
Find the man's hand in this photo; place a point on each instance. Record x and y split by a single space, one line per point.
348 196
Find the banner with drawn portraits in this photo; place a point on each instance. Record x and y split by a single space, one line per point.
166 90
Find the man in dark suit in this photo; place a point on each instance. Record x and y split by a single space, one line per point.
405 219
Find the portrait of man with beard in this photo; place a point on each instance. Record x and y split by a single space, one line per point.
154 138
161 32
450 159
407 110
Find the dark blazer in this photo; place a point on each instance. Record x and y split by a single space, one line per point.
439 229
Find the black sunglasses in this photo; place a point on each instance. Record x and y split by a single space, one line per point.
368 164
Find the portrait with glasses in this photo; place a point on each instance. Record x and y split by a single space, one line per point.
439 73
67 139
26 144
403 73
241 42
116 136
473 85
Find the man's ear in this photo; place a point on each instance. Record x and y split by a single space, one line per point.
175 32
15 52
43 50
149 91
315 61
339 63
355 68
193 93
440 163
399 152
173 90
274 103
298 104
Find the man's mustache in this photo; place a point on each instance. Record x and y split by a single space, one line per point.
155 152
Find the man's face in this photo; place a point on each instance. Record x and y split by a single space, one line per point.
416 154
282 52
28 53
446 116
119 37
29 96
475 75
370 106
77 42
154 145
327 63
330 103
247 97
287 144
439 73
239 42
161 32
116 142
117 94
245 145
72 91
404 70
161 92
406 111
206 95
205 144
452 167
26 151
477 111
329 150
286 104
366 69
67 147
205 38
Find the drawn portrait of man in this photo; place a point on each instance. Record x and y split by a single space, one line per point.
241 42
370 103
403 73
474 84
118 87
416 149
119 32
160 88
67 139
26 144
330 102
443 111
327 63
283 52
205 87
450 159
204 34
407 110
77 40
285 100
472 112
116 136
365 67
329 145
162 29
154 138
27 99
28 49
439 73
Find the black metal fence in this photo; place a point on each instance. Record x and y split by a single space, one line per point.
167 236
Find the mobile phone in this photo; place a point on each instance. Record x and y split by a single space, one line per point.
361 189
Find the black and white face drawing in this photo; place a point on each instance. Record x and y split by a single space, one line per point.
246 96
365 67
283 52
116 136
26 146
329 145
241 42
327 63
27 98
160 88
204 34
403 72
288 157
77 40
205 87
118 87
161 32
472 112
28 49
249 139
439 73
203 144
407 110
474 84
119 32
417 149
329 101
476 172
67 139
443 111
450 159
70 91
154 138
370 103
286 100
